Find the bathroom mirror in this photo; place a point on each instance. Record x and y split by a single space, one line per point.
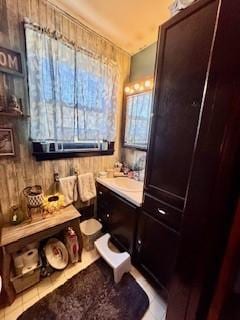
138 106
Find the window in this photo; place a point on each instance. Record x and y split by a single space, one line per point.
138 111
72 92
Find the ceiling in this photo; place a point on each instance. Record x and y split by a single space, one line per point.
130 24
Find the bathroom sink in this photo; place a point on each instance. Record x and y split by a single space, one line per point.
129 189
127 184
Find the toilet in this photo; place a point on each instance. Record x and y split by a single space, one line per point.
91 231
120 262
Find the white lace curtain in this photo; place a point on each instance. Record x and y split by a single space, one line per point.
72 92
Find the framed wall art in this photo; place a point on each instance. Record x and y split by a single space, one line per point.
6 142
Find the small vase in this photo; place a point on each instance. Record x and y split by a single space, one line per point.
16 215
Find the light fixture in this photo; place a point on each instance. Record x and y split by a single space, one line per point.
147 83
127 89
139 86
131 91
136 86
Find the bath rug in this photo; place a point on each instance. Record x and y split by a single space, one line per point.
92 295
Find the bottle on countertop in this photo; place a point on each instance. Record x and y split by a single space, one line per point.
125 168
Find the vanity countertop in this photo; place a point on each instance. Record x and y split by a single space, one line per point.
129 189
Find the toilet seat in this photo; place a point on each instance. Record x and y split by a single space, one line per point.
120 262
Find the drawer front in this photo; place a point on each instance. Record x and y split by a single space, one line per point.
164 213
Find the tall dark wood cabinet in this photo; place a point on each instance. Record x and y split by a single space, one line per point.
183 56
191 182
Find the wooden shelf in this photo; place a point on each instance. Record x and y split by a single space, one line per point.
14 238
12 233
42 156
13 115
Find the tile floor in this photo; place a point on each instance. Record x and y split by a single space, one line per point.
156 311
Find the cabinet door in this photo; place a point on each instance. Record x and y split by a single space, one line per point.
103 206
122 222
183 56
104 216
156 248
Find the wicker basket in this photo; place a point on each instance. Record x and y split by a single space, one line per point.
34 196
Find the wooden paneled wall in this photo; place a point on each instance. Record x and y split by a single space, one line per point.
22 170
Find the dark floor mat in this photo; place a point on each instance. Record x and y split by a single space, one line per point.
92 295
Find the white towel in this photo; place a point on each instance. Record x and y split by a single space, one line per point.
86 187
68 187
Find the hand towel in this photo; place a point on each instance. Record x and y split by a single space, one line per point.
68 187
86 187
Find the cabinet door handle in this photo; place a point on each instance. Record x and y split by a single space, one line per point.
161 211
100 193
139 244
107 215
196 104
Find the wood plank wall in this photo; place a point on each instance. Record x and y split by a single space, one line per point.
22 170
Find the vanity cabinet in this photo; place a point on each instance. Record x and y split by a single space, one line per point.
118 216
